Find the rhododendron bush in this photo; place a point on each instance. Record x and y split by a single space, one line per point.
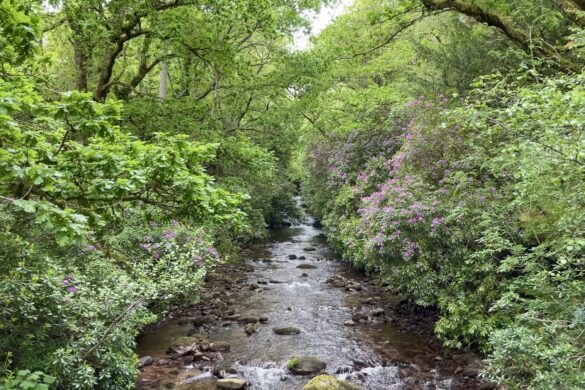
474 207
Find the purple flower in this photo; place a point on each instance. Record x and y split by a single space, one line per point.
65 282
212 251
145 246
156 254
169 235
91 248
197 259
72 289
152 224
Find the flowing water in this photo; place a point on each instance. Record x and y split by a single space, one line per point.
376 355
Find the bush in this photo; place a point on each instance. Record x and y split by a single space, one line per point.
475 209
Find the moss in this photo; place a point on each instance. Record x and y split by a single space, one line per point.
292 363
327 382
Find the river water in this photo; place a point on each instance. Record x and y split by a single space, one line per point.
377 355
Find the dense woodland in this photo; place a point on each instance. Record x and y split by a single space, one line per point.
143 142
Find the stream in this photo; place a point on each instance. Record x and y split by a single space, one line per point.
381 352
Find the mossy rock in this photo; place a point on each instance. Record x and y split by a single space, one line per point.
286 330
305 365
327 382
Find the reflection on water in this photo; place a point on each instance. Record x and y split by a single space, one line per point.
369 355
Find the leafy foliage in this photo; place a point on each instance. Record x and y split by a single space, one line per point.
469 205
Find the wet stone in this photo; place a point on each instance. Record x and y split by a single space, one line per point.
306 266
145 361
248 320
286 330
219 346
306 365
328 382
232 383
250 329
292 257
358 316
309 249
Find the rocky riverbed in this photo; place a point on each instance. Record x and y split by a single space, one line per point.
290 312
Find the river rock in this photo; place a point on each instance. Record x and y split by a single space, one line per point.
377 312
232 383
357 316
263 319
304 275
145 361
305 365
286 330
250 328
292 257
199 321
349 323
248 320
306 266
276 281
328 382
309 249
219 346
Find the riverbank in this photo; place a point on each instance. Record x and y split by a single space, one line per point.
291 297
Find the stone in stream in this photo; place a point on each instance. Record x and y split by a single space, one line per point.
276 281
302 257
309 249
292 257
358 316
306 266
354 286
250 329
219 346
145 361
328 382
248 320
305 365
286 330
263 319
232 383
199 321
304 275
377 312
349 323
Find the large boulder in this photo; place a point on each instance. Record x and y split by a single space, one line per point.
305 365
327 382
